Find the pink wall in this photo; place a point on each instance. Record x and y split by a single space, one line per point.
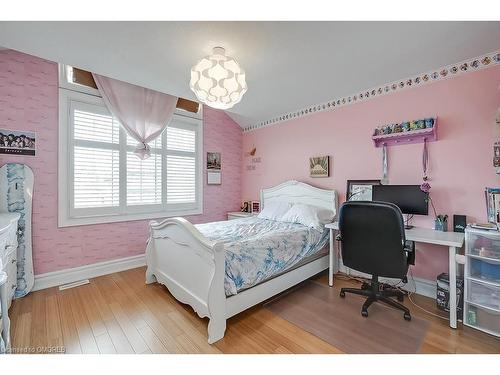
29 101
460 161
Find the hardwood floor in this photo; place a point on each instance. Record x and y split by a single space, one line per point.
119 313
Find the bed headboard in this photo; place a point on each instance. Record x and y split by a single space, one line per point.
299 192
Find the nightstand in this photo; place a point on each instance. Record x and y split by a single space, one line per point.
239 215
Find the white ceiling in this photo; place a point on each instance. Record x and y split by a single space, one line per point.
289 65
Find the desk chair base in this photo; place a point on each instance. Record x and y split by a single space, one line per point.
374 293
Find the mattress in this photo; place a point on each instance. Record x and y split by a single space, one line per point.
257 250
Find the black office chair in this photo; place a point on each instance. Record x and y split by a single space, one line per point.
372 239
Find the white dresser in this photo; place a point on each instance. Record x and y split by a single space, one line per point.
8 270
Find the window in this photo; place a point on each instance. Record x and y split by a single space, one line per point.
102 180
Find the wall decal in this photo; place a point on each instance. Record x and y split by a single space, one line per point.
474 64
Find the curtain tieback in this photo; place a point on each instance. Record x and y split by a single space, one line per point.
142 150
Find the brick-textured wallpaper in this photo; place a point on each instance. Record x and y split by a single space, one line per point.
29 101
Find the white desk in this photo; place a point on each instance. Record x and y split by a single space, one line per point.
453 240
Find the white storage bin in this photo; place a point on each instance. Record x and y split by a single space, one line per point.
484 319
483 243
483 294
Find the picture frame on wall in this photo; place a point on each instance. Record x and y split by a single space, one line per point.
14 142
360 190
214 162
214 166
319 166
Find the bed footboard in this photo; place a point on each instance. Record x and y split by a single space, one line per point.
191 267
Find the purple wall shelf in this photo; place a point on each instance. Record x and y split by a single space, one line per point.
406 138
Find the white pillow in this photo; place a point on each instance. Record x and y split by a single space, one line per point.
310 216
274 210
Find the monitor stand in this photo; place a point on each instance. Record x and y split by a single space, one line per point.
407 221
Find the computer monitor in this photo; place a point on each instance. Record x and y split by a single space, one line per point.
409 198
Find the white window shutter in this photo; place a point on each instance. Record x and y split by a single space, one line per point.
181 165
96 160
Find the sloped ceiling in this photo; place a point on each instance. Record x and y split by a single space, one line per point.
289 65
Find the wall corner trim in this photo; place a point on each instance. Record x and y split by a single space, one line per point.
56 278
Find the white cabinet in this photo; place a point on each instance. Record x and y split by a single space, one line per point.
8 271
482 280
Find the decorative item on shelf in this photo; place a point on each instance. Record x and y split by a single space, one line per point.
319 166
406 132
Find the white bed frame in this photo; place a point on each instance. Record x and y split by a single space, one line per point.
193 267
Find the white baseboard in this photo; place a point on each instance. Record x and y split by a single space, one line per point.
416 285
56 278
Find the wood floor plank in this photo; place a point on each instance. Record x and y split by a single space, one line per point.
39 335
91 311
83 328
53 322
133 336
21 333
68 327
118 337
120 313
104 344
152 341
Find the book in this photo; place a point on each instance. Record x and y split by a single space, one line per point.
492 198
485 226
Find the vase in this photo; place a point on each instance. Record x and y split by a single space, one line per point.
440 225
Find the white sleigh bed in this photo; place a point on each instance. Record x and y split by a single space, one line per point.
192 267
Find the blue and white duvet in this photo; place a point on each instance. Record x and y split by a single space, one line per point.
257 249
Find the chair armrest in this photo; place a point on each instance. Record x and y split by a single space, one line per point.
410 251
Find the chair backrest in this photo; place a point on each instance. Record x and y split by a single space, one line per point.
372 238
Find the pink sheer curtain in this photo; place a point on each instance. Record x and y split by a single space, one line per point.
144 113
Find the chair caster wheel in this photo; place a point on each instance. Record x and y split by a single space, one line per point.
364 313
407 316
401 298
342 294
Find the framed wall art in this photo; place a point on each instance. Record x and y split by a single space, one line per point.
360 190
319 166
15 142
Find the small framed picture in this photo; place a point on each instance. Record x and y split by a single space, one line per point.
214 162
214 178
360 190
15 142
255 206
319 166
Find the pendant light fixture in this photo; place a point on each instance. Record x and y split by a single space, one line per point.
217 80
